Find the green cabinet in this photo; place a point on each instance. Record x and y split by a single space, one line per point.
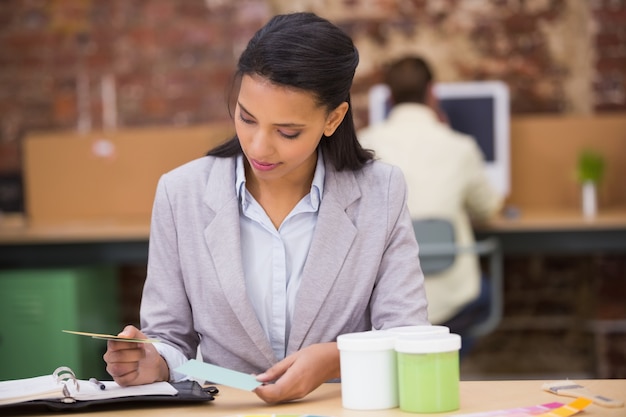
36 304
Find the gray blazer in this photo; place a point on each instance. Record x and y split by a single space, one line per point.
362 271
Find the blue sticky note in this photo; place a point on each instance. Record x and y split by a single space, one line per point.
218 375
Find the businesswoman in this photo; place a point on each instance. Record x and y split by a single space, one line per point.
290 234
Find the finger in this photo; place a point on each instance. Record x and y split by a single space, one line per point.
119 345
125 354
271 393
130 332
124 377
120 369
283 390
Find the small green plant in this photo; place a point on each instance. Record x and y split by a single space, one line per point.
591 166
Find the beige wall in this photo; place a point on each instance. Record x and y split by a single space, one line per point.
544 151
106 177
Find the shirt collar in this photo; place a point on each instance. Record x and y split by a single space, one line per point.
317 186
240 180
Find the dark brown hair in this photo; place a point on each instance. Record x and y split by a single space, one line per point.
307 52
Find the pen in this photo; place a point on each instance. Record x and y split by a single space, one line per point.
98 383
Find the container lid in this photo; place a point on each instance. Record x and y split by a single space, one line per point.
366 341
423 329
432 343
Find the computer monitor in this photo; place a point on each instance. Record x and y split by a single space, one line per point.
480 109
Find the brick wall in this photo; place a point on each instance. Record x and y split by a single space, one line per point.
171 60
609 78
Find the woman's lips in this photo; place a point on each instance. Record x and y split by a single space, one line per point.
262 166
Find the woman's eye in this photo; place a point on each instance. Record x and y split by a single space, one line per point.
243 119
289 135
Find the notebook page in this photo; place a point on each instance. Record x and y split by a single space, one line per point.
90 391
46 387
27 389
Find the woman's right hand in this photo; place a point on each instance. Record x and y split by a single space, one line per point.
131 363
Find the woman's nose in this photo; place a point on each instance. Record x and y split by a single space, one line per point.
262 143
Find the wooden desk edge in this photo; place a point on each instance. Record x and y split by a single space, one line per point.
555 220
14 229
476 396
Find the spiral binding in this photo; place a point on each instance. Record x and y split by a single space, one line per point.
63 375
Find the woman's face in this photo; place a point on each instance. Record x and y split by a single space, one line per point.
279 129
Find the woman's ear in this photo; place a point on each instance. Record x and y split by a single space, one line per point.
335 118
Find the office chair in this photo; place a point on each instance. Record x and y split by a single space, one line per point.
438 250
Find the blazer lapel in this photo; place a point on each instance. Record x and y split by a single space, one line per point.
223 237
332 240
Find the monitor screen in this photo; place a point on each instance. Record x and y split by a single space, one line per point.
480 109
473 116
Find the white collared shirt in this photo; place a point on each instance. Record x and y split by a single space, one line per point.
273 259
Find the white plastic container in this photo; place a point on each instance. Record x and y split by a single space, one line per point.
419 330
368 370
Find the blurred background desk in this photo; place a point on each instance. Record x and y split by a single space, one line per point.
558 232
564 286
81 243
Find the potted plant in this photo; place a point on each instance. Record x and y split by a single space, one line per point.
591 167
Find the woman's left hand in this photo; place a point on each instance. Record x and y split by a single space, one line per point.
300 373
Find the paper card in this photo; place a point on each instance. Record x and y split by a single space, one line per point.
554 409
111 337
218 375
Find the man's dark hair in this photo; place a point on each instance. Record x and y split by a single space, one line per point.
408 80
